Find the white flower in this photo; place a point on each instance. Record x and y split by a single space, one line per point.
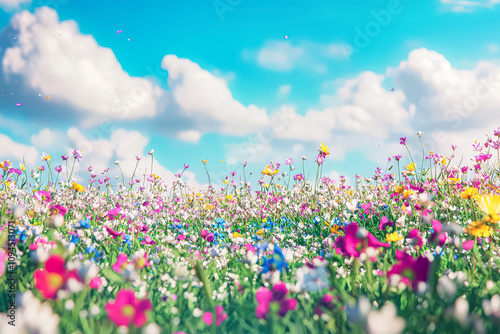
385 321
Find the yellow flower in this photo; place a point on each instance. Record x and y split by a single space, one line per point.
407 193
410 167
269 171
431 152
393 237
399 189
204 161
478 229
324 149
229 197
490 205
454 179
443 161
260 232
209 207
22 167
469 193
46 156
236 235
78 187
335 229
226 181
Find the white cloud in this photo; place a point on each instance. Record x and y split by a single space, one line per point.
9 5
284 89
493 48
206 101
54 58
279 56
44 138
285 56
446 97
189 136
360 108
15 151
468 5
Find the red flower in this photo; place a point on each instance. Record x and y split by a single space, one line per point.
127 309
53 277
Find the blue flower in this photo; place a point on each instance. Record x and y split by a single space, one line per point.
84 223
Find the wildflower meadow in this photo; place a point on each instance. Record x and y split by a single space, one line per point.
410 249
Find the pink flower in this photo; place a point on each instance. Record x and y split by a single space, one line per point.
438 235
95 283
148 241
115 234
221 316
121 263
416 238
412 270
210 237
354 244
53 277
43 196
181 237
204 233
265 297
127 309
58 209
113 213
385 223
466 245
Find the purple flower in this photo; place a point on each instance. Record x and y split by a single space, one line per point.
77 154
402 140
398 157
65 157
58 169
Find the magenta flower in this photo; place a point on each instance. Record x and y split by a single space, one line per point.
210 237
416 239
186 166
115 234
148 241
221 316
58 209
121 263
412 270
64 157
466 245
43 196
204 234
113 213
354 244
58 169
127 309
438 235
385 223
402 140
265 297
95 283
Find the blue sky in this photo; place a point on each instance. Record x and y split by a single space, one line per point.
204 79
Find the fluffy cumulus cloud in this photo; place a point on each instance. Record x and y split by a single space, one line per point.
203 102
10 5
285 56
9 149
358 113
469 5
53 58
451 103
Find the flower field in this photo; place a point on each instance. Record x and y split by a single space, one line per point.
412 249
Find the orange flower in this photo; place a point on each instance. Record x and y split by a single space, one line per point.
469 193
